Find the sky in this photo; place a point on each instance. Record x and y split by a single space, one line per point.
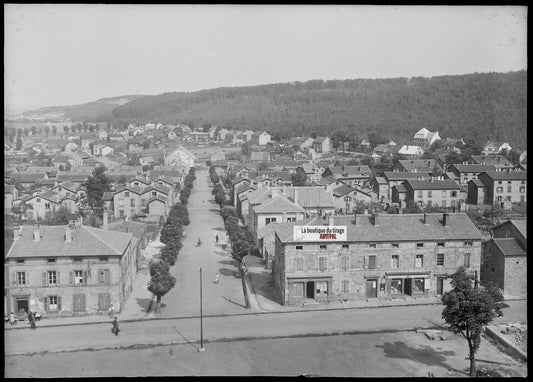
65 54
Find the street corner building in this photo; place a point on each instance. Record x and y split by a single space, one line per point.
69 270
381 257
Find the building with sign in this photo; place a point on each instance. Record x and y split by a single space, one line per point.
379 257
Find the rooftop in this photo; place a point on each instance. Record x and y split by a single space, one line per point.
86 241
401 227
509 247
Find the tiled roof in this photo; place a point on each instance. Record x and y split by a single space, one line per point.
244 187
348 171
128 226
158 198
417 163
521 226
343 190
497 160
326 181
477 168
260 195
72 176
21 177
504 175
509 247
278 204
477 182
136 189
311 197
446 184
402 227
390 175
86 241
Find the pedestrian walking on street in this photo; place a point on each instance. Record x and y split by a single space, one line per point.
216 238
115 328
12 319
217 280
31 319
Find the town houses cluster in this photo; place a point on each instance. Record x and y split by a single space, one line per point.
380 233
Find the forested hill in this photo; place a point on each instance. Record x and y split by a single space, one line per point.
480 106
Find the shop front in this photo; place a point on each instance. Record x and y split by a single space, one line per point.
308 289
412 284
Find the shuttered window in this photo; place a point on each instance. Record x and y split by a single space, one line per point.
104 301
345 286
78 303
372 262
322 263
345 262
103 276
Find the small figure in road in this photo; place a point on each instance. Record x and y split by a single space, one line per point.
217 279
12 319
199 243
216 238
31 319
115 328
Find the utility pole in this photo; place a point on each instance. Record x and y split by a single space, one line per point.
475 281
201 317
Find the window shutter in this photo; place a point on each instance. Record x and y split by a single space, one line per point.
107 276
46 304
58 278
27 278
15 281
100 278
71 276
85 276
44 279
58 302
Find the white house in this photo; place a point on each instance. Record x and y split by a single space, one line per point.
495 148
411 151
425 138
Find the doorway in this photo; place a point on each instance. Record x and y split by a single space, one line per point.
440 285
372 288
310 289
21 306
408 286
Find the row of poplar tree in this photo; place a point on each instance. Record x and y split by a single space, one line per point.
171 236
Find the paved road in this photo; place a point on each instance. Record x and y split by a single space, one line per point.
404 354
266 325
206 222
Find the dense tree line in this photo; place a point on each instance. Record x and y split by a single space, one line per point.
171 236
241 240
478 106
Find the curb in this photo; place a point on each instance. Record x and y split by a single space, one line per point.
229 315
493 333
219 340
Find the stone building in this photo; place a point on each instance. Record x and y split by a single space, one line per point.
504 258
380 256
69 270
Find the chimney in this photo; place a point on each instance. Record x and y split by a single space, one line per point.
106 221
16 233
375 219
283 191
36 234
68 235
355 220
425 219
296 195
446 220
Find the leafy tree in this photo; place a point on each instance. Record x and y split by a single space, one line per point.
96 185
61 217
220 195
171 233
169 253
158 267
161 283
299 178
33 130
468 309
20 209
65 129
215 178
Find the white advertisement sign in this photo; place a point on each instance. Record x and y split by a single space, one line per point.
320 233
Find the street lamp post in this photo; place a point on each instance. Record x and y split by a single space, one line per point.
201 317
347 199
